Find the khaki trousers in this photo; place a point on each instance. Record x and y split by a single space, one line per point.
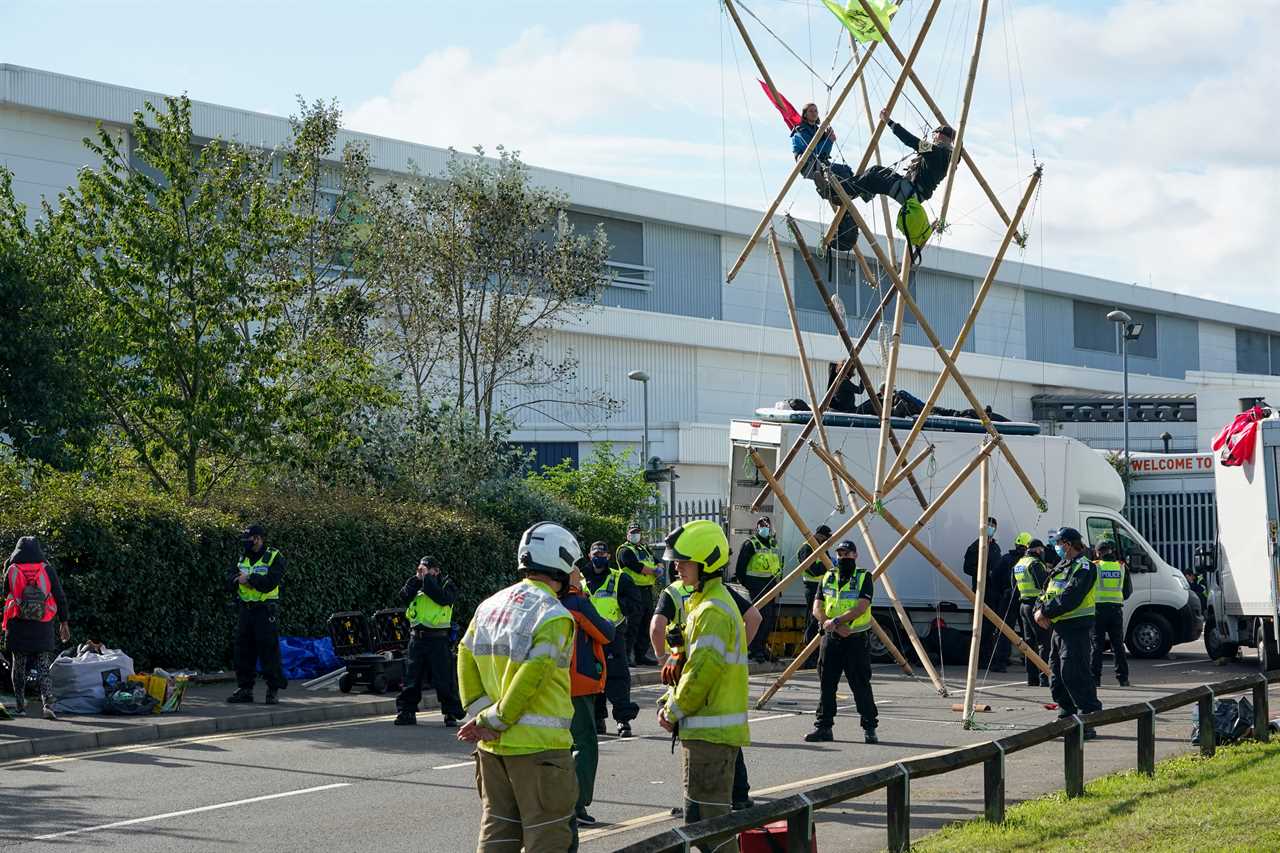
527 799
708 785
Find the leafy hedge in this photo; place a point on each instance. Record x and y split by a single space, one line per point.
148 573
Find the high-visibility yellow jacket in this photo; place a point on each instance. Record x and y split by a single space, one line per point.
513 670
710 700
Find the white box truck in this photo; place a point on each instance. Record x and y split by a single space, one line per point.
1081 488
1242 573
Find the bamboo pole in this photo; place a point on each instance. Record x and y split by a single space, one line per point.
799 166
949 366
912 636
804 358
937 113
1014 638
890 375
873 395
773 592
818 549
980 594
964 115
972 317
842 374
751 48
871 126
791 670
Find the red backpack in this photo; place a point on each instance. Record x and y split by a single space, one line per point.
30 594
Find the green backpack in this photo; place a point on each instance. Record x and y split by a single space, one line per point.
914 223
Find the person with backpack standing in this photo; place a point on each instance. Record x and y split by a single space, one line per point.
33 600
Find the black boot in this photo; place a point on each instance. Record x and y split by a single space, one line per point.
244 695
271 698
406 720
819 735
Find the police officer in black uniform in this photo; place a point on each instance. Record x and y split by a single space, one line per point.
1029 579
812 580
1113 589
1067 606
844 608
256 582
430 596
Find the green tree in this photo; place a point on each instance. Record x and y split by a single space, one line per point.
189 355
503 270
45 415
607 485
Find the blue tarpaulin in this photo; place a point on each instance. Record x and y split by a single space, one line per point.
305 657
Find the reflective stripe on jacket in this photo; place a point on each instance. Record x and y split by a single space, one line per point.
838 599
710 701
260 566
513 670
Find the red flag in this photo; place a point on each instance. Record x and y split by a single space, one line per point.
789 114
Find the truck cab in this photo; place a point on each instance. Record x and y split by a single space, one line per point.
1161 612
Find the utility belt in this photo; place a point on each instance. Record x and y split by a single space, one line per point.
421 632
270 602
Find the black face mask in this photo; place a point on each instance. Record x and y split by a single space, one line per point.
847 565
247 545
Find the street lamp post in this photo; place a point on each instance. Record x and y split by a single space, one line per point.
643 378
1129 331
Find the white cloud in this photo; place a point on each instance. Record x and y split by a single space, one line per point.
1157 121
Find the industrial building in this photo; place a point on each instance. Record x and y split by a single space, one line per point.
1042 349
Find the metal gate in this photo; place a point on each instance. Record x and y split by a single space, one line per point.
1175 523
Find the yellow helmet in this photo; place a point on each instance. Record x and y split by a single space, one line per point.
1024 539
701 541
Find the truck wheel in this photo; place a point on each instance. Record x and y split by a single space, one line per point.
877 650
1214 645
378 684
346 681
1150 636
1268 656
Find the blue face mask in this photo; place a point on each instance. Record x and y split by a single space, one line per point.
991 531
763 532
600 562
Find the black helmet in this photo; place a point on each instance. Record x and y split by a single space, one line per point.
1071 535
1106 548
822 530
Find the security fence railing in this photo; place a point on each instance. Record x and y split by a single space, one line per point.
895 777
1175 523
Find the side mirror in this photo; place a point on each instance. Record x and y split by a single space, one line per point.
1139 562
1205 559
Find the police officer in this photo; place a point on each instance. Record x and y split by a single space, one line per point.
844 610
1067 606
708 705
812 581
513 668
758 568
256 580
614 596
1113 589
635 558
1029 579
431 596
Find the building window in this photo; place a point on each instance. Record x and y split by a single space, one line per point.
803 289
1257 352
626 247
1093 331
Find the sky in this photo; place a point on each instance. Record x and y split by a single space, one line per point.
1156 121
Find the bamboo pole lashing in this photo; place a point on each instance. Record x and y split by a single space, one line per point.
971 317
951 577
804 358
845 369
950 368
874 396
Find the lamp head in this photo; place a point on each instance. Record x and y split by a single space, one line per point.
638 376
1118 316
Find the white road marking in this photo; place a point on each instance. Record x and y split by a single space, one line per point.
167 815
452 766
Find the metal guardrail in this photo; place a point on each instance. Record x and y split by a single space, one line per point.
797 810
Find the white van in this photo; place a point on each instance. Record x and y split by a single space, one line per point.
1081 489
1241 582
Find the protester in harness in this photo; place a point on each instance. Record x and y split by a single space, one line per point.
33 600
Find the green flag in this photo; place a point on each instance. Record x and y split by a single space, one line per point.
857 21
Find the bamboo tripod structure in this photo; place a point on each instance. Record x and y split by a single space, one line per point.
893 463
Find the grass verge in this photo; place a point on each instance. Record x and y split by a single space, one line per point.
1228 802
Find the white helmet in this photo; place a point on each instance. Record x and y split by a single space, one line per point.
548 547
